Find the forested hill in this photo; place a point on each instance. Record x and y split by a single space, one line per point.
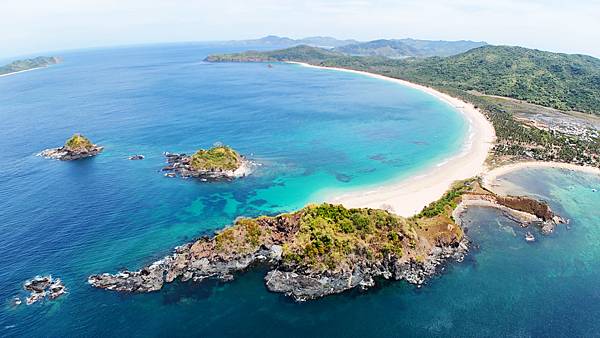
562 81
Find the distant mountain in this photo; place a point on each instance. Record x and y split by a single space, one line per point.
409 48
273 40
387 48
325 41
561 81
27 64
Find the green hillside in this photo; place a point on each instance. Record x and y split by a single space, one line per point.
562 81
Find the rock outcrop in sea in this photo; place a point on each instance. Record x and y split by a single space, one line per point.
77 147
41 288
217 163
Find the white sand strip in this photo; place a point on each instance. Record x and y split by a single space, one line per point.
21 71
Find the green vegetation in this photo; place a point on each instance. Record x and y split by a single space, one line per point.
565 82
215 159
330 236
244 237
448 202
21 65
78 142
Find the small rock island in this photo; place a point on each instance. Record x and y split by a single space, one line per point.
218 163
77 147
40 288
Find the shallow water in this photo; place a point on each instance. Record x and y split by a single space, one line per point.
309 129
306 127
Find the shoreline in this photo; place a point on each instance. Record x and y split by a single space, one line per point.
20 71
407 196
490 177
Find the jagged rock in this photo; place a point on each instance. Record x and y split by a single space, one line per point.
300 286
42 287
64 154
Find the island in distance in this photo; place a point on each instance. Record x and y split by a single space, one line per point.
77 147
28 64
217 163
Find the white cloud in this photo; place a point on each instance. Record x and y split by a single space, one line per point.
30 26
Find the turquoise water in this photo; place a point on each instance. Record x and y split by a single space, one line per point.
310 129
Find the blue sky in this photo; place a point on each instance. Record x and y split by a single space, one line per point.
35 26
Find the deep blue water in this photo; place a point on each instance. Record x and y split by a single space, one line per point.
310 129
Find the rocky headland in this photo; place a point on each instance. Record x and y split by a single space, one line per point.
77 147
217 163
526 211
324 249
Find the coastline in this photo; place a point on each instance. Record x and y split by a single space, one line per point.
21 71
408 196
490 177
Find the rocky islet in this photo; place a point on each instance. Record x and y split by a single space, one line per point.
217 163
41 288
76 148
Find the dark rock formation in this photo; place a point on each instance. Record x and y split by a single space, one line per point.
42 287
65 154
303 286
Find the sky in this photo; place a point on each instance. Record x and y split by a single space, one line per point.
35 26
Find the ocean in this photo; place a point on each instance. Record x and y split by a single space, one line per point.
309 130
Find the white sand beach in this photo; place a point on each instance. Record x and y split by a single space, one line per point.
408 196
